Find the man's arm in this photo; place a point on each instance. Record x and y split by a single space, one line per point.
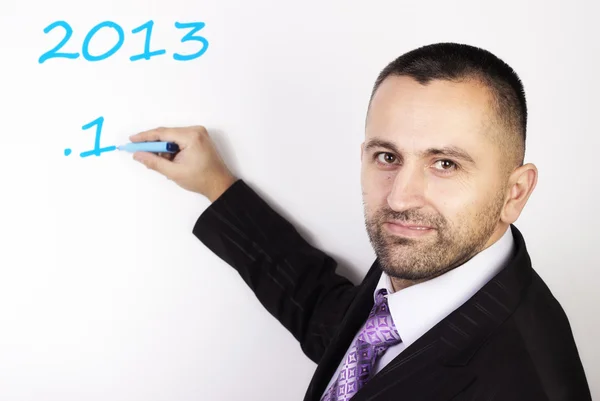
296 282
293 280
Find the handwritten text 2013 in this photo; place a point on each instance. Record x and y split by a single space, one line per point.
147 53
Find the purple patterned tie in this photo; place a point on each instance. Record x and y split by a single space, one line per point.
377 335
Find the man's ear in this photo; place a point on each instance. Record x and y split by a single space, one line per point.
522 182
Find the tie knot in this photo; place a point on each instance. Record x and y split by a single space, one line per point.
379 329
380 297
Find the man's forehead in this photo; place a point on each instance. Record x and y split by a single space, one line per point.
407 90
441 113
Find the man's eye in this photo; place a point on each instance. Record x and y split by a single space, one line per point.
387 157
446 165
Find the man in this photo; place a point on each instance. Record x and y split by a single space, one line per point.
451 309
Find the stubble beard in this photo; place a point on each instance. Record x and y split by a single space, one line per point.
445 248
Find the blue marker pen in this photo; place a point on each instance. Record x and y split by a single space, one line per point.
155 147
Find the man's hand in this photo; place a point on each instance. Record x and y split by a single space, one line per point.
197 166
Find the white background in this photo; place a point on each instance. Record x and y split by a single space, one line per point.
104 292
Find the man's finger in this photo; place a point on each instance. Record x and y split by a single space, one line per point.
156 163
166 155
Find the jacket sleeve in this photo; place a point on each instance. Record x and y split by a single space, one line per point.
293 280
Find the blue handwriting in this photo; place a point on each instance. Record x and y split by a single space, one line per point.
97 151
145 28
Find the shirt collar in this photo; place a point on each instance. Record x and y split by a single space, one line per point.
418 308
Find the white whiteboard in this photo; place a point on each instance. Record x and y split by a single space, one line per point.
104 292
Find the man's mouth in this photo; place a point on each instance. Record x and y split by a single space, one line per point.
407 229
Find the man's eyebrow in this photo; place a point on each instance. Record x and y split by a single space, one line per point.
380 143
449 151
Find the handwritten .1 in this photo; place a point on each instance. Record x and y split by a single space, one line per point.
97 151
146 55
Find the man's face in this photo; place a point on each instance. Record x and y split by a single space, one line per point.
405 182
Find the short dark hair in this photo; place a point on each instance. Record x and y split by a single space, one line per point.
460 62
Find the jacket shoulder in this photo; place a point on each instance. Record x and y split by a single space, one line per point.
540 345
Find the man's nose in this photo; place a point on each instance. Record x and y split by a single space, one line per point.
408 188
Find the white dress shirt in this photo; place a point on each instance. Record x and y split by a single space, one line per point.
418 308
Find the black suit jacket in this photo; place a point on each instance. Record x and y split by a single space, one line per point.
510 341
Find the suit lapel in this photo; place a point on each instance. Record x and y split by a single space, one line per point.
429 369
467 328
